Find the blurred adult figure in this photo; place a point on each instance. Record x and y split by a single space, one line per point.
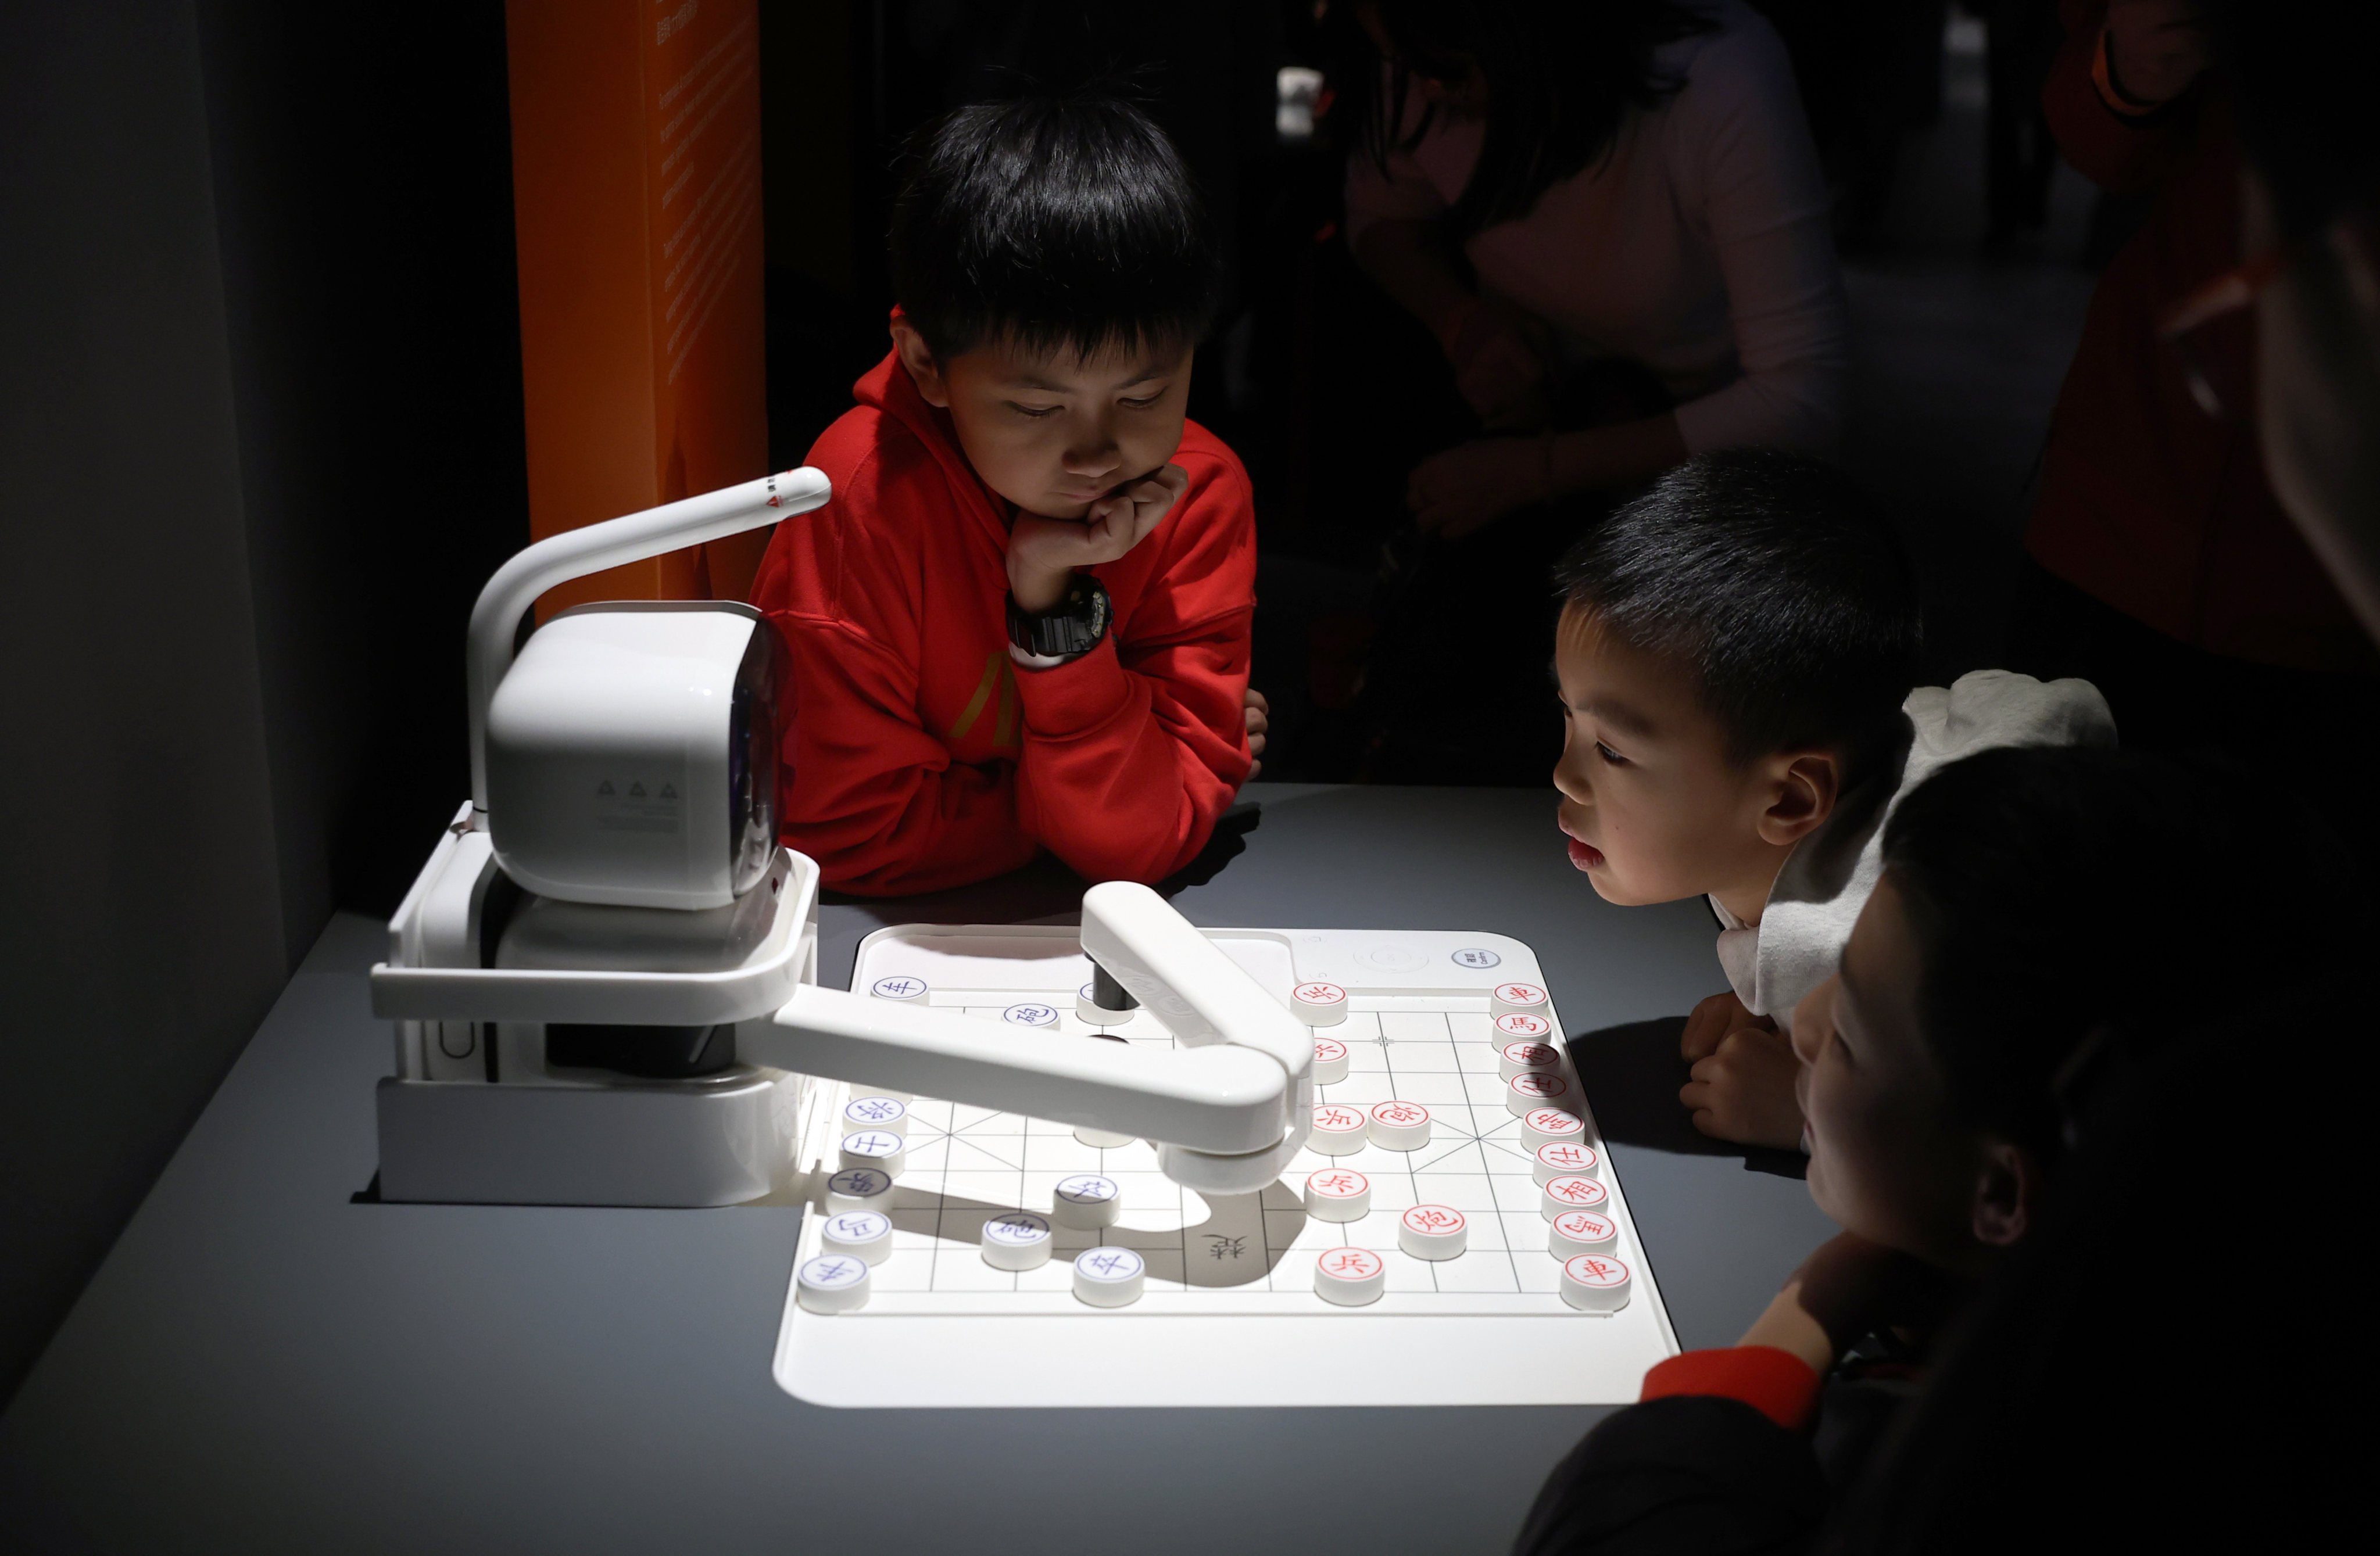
1611 216
1624 181
2161 567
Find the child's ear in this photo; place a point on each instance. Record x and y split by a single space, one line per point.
918 358
2006 1184
1807 785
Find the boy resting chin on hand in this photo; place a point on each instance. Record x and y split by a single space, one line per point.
1733 658
1022 623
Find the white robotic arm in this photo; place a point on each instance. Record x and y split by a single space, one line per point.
1227 1110
618 746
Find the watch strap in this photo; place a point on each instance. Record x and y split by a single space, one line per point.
1070 629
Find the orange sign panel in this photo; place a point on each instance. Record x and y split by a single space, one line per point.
637 216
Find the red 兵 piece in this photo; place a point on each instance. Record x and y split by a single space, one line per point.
1351 1264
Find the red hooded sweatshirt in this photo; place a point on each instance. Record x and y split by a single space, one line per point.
916 754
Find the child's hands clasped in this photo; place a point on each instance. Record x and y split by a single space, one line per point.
1741 1087
1043 554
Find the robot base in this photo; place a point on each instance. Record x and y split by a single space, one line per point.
719 1140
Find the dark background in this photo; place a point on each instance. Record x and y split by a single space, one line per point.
261 444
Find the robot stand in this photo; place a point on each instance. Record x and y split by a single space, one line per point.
604 980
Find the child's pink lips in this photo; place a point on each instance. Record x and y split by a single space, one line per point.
1585 855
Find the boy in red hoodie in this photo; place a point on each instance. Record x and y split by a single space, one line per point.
1023 621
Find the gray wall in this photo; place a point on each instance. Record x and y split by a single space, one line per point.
259 435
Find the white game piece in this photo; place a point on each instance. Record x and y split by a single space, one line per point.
1570 1158
1101 1140
1576 1232
1109 1277
1547 1125
1016 1240
1520 1027
1571 1194
877 1113
1400 1126
832 1283
1329 1061
1533 1089
1095 1014
858 1188
1477 958
1339 1130
1350 1277
902 990
1338 1194
1086 1202
1032 1014
1318 1005
1517 999
880 1148
1526 1059
1596 1283
862 1234
1433 1232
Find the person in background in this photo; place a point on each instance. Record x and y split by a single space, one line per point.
2075 1400
1611 216
2159 564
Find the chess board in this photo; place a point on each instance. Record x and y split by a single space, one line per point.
1229 1313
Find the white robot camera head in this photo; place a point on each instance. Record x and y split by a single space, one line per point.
632 755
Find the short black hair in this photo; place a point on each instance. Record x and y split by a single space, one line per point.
1054 221
1783 585
2041 883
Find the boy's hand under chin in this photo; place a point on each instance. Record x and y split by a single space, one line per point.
1742 1089
1043 554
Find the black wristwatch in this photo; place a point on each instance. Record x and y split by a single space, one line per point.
1072 627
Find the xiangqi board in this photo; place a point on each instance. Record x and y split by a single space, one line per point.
1454 1232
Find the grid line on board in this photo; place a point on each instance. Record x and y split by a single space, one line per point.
1474 1160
